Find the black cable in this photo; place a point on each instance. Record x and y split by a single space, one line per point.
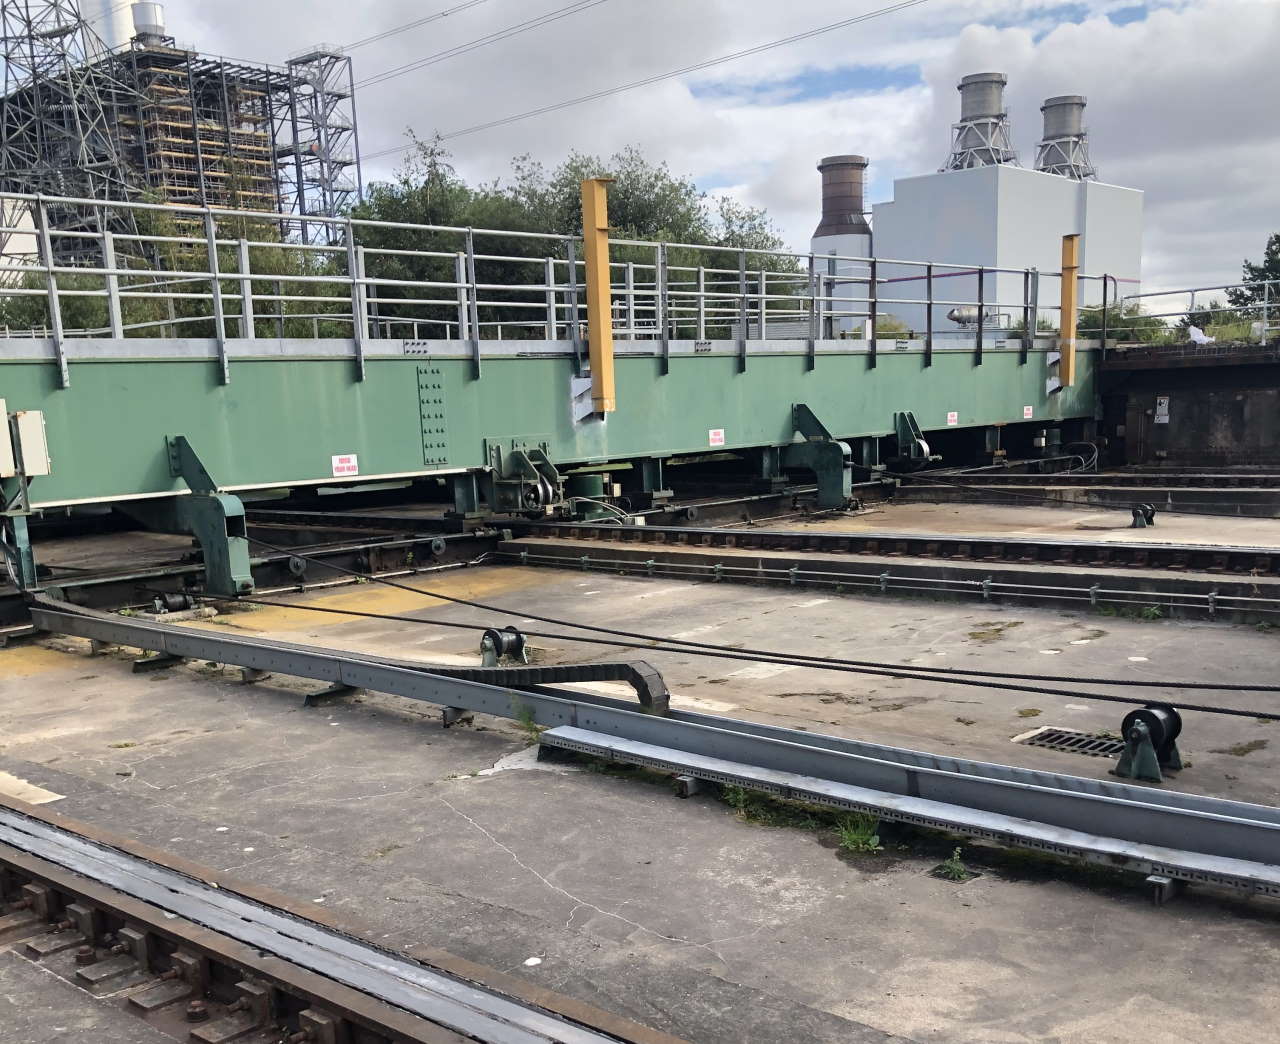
652 640
482 41
696 67
414 24
658 646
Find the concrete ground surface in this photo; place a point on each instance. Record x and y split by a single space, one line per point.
676 913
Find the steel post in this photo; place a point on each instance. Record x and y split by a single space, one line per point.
215 288
663 305
115 320
362 296
811 356
571 302
246 293
702 303
1028 330
595 249
51 286
928 315
460 278
473 306
1069 304
977 344
742 311
873 306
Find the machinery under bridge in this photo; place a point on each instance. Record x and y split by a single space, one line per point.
173 375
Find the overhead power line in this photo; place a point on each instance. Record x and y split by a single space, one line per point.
483 41
696 67
414 24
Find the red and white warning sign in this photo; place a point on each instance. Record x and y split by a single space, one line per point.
345 464
1028 412
715 437
953 418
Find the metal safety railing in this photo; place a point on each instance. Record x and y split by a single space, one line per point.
72 269
1250 313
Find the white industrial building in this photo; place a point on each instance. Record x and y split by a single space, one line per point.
984 210
1003 216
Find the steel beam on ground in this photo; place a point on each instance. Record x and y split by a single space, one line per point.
1184 836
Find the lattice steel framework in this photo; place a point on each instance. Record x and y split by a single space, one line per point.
57 135
320 164
981 142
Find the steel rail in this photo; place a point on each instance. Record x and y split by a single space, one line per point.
1211 558
1176 480
440 1000
1185 836
931 580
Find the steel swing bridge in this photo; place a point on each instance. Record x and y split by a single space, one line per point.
175 375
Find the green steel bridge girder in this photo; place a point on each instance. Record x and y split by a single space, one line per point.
292 420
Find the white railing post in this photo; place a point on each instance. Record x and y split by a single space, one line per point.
215 287
114 318
246 293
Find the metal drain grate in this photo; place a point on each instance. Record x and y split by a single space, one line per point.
1073 742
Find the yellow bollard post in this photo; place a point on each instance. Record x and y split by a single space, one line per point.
595 243
1070 305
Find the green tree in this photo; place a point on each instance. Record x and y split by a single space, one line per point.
1131 324
1268 270
1212 314
646 202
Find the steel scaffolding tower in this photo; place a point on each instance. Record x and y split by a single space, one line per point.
320 165
57 136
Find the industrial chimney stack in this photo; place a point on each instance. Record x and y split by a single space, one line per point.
1064 148
981 138
842 183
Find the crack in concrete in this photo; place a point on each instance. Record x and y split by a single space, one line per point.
580 902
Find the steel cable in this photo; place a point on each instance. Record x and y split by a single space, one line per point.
650 641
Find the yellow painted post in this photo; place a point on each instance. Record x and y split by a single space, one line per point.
1070 304
595 243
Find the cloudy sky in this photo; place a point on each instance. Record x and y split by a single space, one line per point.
1182 93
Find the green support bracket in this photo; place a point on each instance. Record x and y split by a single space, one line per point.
911 445
215 519
17 551
830 461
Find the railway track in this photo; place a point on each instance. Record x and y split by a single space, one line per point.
1118 480
1165 833
211 960
1175 558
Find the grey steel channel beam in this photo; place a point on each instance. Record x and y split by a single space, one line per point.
1186 836
438 998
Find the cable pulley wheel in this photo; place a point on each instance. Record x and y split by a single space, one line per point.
1164 724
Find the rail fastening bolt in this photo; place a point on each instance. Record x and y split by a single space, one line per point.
197 1011
85 955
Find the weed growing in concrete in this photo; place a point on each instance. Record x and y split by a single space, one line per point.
953 868
859 832
525 723
1152 612
754 806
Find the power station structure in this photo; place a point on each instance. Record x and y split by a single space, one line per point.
132 115
986 224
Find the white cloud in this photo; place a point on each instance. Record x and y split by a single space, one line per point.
1182 102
